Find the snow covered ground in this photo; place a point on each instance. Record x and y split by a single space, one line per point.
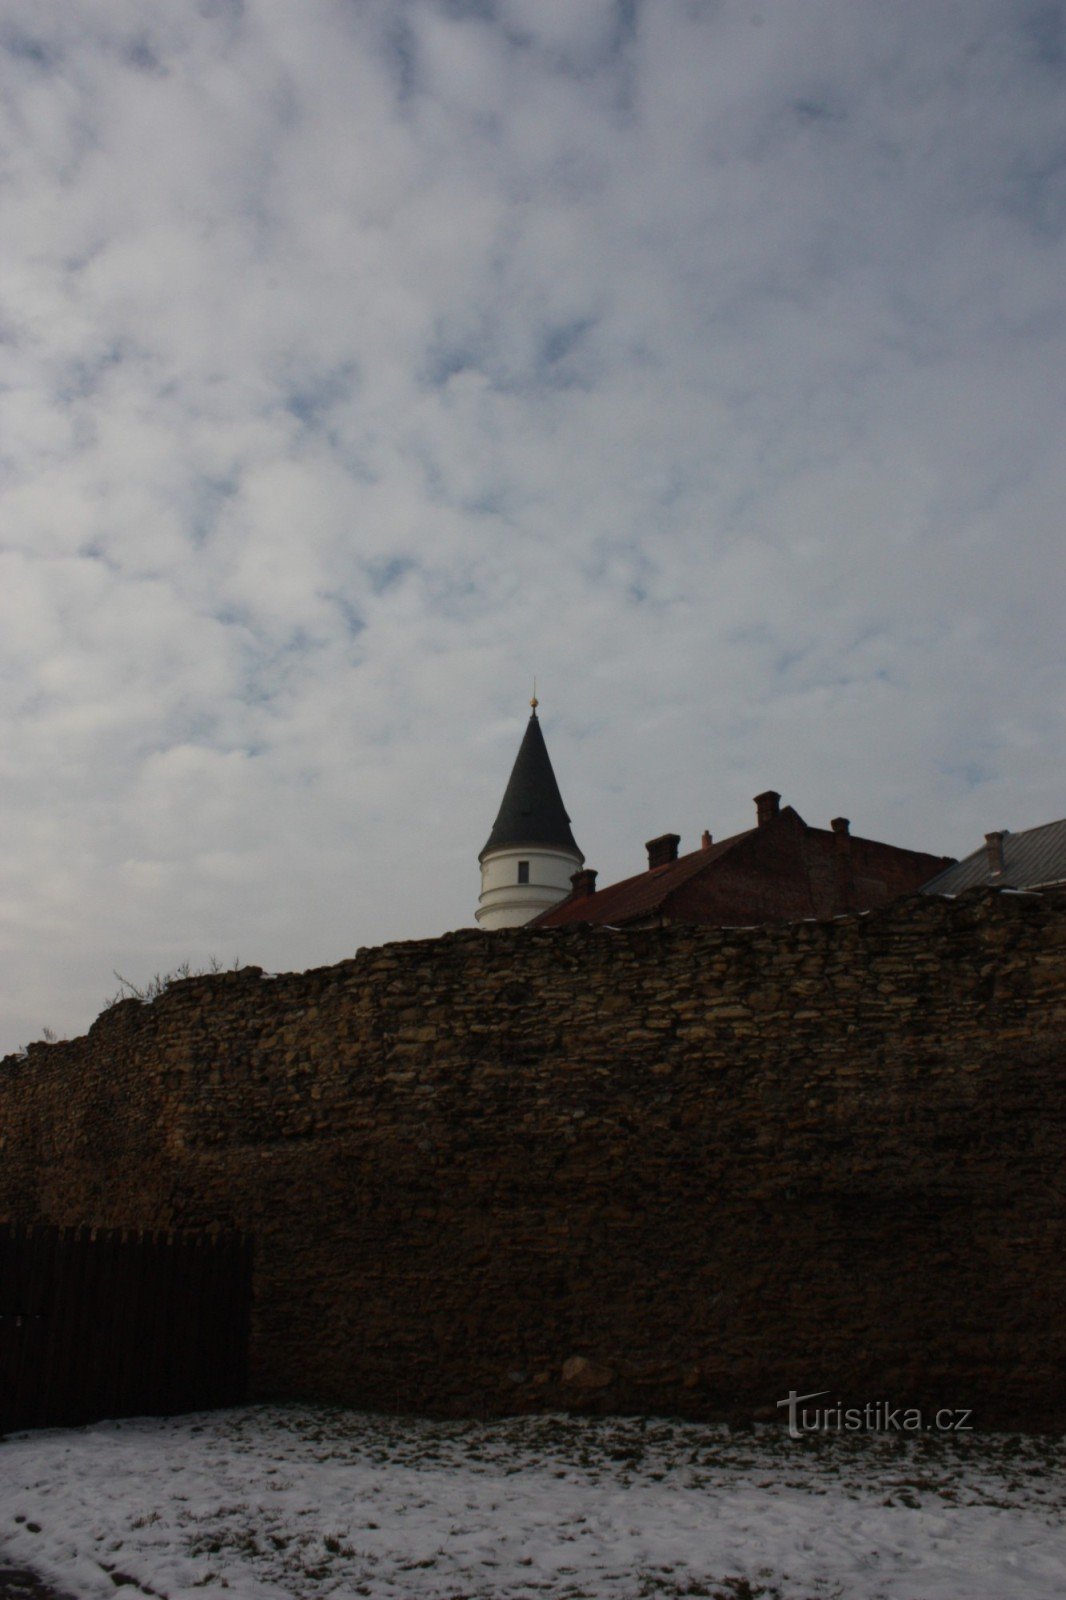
281 1503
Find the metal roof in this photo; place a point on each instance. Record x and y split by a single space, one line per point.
1032 859
532 811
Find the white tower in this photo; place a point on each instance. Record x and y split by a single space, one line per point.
531 855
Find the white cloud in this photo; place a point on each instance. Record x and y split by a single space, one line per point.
361 361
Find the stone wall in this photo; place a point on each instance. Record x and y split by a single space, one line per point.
714 1164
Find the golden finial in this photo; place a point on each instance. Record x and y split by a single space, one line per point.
534 702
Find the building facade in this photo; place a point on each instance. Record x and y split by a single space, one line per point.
781 870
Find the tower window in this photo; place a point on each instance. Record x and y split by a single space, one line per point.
523 872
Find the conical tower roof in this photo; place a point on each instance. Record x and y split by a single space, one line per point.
532 812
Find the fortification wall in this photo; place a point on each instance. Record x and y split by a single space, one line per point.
717 1164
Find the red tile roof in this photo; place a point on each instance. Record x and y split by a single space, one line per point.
640 896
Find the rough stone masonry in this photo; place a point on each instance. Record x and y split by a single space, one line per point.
683 1170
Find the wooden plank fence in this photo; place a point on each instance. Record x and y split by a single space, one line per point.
113 1322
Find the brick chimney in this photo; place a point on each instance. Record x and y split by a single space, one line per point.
843 880
583 883
767 807
994 846
705 841
663 850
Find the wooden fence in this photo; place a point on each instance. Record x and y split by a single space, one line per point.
112 1322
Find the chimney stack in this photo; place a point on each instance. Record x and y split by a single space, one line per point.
583 883
663 850
994 846
705 841
767 807
843 882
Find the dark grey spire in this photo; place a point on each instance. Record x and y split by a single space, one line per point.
532 811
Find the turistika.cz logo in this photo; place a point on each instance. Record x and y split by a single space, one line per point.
877 1416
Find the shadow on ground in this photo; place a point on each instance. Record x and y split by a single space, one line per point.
18 1583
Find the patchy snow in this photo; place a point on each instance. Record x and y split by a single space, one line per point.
274 1503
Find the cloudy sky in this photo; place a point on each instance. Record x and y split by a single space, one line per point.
360 359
